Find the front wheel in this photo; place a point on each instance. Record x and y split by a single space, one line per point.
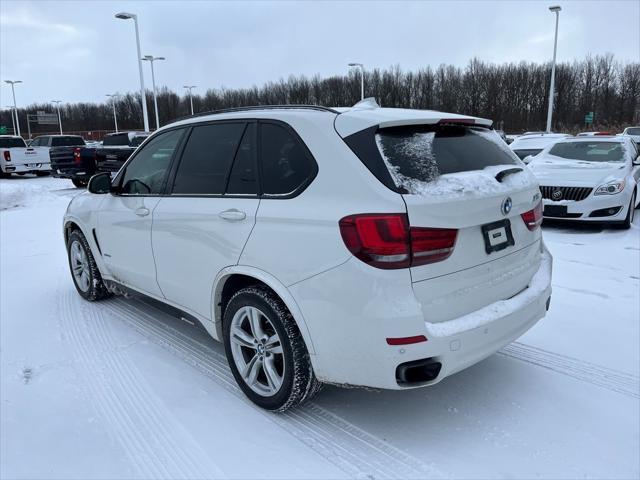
84 270
266 352
631 211
79 183
41 173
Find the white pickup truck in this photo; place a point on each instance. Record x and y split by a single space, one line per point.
16 157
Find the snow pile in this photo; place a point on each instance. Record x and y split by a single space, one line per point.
20 192
539 283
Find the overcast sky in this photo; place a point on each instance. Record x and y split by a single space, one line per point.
78 51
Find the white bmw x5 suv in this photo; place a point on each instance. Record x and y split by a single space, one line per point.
376 247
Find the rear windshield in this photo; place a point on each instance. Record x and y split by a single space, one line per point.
589 152
115 140
423 153
137 140
67 141
12 143
633 131
522 154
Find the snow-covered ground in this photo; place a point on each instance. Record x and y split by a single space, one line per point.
117 389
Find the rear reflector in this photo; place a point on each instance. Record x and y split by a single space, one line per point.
385 240
7 156
533 218
406 340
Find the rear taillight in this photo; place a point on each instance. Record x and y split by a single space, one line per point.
533 218
76 155
385 240
7 156
431 245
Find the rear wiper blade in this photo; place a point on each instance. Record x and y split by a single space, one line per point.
503 173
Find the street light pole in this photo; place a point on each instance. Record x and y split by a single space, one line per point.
15 107
361 78
189 87
114 97
555 9
57 102
13 119
143 97
151 59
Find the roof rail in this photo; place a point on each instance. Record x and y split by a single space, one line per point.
259 107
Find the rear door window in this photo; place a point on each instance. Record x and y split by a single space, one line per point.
415 155
285 162
206 159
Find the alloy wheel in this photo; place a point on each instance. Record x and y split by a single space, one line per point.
257 351
79 265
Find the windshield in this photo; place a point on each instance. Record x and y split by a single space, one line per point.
633 131
67 141
12 143
422 153
589 152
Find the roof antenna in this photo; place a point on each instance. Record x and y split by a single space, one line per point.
368 103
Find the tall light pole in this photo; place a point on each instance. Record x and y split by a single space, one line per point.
143 97
13 119
114 97
58 102
555 9
361 78
151 59
15 107
190 87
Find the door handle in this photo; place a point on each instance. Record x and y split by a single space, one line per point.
233 215
142 211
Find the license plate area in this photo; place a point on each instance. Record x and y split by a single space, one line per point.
497 236
555 211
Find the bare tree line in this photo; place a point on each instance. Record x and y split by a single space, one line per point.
514 95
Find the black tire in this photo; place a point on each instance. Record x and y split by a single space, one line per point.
95 290
42 174
626 224
299 383
5 175
79 183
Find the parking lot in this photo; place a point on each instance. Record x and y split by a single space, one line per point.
120 389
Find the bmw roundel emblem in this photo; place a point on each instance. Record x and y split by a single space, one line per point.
507 203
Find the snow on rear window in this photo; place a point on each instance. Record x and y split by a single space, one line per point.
418 156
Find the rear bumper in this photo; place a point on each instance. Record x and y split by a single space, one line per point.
25 167
71 173
351 310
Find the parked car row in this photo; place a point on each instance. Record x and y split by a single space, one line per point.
67 156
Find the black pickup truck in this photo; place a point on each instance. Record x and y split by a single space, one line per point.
116 149
70 157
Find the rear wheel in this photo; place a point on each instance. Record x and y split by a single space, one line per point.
84 271
5 175
266 352
79 183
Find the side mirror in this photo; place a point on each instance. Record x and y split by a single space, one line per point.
637 161
99 183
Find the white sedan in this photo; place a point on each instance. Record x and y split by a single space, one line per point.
589 179
527 146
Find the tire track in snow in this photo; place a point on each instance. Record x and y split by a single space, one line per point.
351 449
610 379
156 443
